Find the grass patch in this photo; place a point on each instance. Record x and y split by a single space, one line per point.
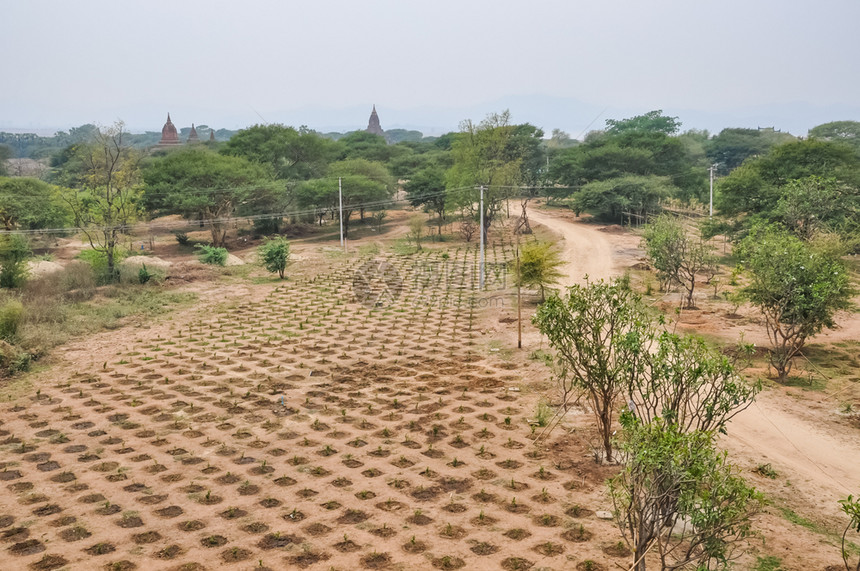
768 563
798 519
68 305
835 538
403 247
811 382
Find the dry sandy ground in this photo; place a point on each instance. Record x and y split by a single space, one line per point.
290 424
293 425
818 460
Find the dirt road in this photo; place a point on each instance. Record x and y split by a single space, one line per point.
587 251
821 462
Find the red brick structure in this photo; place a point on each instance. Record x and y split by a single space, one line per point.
169 136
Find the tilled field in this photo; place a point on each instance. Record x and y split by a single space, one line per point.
357 419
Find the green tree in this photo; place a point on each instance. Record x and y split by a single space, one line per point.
483 156
689 384
394 136
756 187
623 197
198 183
678 497
538 266
14 252
421 156
847 132
677 256
107 198
274 254
370 147
372 180
814 204
732 146
416 230
427 189
560 140
29 203
364 183
653 121
634 152
293 154
5 155
797 286
212 255
598 332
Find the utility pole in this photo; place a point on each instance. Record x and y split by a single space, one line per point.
711 168
340 199
519 302
481 230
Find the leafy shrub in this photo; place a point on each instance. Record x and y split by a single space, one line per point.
98 262
266 226
14 251
275 255
11 314
212 255
182 238
543 414
143 274
12 360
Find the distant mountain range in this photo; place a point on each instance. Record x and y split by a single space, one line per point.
548 112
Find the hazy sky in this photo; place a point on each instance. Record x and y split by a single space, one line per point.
231 64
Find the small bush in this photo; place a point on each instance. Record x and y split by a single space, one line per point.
182 238
14 251
212 255
275 255
98 262
266 226
11 314
143 275
543 414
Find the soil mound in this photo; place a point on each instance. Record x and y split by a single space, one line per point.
43 268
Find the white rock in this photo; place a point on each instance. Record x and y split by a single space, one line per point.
150 261
43 268
234 261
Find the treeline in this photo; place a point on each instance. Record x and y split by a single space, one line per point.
629 171
32 146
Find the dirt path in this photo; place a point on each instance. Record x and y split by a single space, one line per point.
587 251
820 462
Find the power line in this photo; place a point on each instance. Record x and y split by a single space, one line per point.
226 219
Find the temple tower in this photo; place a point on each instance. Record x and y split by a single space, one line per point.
169 136
373 124
192 137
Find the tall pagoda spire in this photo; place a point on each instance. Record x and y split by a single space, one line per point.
373 124
192 137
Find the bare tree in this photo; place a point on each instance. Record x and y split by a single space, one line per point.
107 200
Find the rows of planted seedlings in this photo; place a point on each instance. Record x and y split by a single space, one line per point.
305 429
